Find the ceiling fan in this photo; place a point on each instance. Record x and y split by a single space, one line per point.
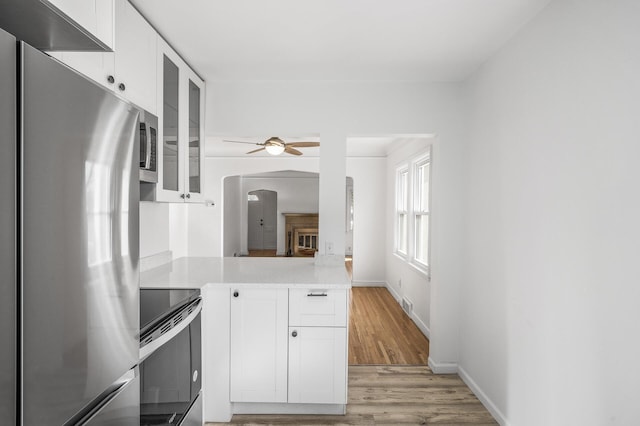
276 146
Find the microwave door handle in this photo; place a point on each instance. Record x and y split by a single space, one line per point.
144 146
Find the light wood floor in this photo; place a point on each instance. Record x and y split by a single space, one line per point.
394 395
380 332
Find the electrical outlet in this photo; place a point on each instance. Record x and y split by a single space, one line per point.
328 248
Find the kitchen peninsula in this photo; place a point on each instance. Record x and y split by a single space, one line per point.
274 333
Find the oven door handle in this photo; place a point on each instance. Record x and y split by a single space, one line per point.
152 346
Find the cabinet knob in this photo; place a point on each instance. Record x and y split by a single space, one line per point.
110 79
188 195
236 294
121 86
294 334
182 196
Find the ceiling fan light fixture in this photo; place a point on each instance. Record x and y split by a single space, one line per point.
274 148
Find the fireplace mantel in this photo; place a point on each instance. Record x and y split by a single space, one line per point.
301 234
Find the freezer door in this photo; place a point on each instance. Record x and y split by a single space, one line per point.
123 410
80 247
119 405
7 228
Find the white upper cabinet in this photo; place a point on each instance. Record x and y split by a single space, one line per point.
135 57
130 71
181 124
94 16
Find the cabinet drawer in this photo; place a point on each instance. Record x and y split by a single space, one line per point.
317 307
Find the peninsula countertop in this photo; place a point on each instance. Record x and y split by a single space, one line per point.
196 272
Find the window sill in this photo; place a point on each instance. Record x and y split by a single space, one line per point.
418 267
401 256
421 268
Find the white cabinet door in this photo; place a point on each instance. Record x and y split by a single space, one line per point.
180 95
318 307
259 345
194 137
318 365
170 108
135 57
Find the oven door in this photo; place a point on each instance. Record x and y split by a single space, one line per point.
171 379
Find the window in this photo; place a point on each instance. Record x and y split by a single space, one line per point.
413 211
421 212
402 210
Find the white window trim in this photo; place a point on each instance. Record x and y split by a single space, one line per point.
411 168
403 169
415 164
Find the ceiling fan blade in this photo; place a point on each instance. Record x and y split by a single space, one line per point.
303 144
290 150
256 150
250 143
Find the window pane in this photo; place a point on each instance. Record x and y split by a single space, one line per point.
402 233
422 238
422 187
402 190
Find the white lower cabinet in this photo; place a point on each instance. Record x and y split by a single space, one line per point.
276 358
258 345
317 365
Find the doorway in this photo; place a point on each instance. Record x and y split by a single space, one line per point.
262 226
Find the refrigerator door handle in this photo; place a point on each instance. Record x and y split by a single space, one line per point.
91 409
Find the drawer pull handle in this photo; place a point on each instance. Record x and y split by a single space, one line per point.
317 294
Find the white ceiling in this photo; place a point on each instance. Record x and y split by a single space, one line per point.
392 40
417 40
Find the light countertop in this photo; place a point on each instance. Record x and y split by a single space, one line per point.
196 272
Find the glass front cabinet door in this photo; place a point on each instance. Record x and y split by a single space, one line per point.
181 123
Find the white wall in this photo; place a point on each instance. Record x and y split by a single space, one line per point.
415 284
154 228
233 200
369 232
550 318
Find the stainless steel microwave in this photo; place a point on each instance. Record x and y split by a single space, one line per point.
148 147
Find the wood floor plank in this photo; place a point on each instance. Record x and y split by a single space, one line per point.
381 332
394 395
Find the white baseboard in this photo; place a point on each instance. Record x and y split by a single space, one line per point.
394 293
443 367
486 401
419 323
155 260
288 408
368 284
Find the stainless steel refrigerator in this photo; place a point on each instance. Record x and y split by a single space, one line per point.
69 270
